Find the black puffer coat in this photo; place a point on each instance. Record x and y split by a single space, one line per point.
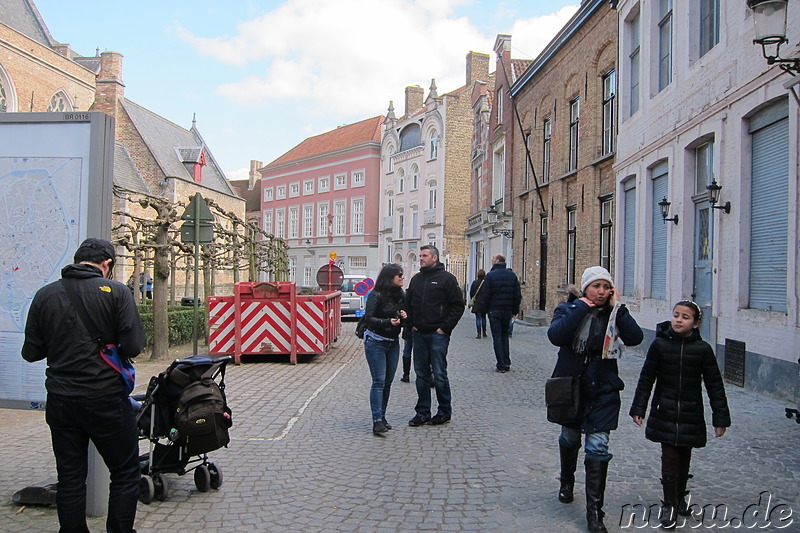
678 365
600 381
381 309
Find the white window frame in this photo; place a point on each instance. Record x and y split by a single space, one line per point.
323 183
339 217
665 37
609 82
339 182
357 178
269 194
357 216
294 189
280 223
308 220
574 126
280 192
308 187
294 222
323 208
266 223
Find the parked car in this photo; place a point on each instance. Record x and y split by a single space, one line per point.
352 303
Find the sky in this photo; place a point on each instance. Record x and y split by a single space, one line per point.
263 75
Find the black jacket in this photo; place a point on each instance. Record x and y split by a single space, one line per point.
54 331
600 381
434 300
379 311
501 291
678 366
477 288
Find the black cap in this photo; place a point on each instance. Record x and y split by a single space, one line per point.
102 245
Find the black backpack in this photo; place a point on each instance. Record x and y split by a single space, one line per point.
361 327
202 414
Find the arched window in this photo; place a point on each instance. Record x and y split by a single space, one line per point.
60 102
414 177
8 97
390 164
389 203
401 180
410 137
432 194
434 144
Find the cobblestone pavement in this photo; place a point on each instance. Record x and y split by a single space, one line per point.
303 457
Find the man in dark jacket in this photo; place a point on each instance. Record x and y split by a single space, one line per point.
434 303
501 298
86 398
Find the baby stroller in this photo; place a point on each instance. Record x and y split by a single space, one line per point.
184 415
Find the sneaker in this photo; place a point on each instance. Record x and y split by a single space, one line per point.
418 420
440 419
385 423
379 427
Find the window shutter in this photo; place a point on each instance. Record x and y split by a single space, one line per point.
629 244
658 241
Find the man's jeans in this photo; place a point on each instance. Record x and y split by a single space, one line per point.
499 322
110 424
382 357
430 353
596 444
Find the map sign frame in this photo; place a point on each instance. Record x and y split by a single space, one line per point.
56 180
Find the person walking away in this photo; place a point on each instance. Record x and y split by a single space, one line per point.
383 315
501 297
479 311
579 328
678 361
87 398
435 303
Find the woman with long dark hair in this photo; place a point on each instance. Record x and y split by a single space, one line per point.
383 317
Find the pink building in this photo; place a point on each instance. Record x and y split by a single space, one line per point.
323 196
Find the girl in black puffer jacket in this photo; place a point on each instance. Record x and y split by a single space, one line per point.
678 362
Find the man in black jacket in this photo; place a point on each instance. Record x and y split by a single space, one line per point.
501 298
434 303
86 398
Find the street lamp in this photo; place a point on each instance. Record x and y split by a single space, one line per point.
664 206
713 197
769 20
491 217
308 246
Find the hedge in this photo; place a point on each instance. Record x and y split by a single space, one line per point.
180 323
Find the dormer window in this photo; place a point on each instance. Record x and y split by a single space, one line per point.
198 167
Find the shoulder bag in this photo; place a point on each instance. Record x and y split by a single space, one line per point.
562 398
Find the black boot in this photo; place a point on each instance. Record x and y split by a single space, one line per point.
569 460
406 369
683 494
596 472
669 505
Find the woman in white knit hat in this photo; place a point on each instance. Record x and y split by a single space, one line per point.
590 330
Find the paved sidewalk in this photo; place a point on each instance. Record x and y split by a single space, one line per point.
303 457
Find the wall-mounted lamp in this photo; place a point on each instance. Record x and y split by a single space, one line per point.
664 206
713 197
308 245
491 217
769 20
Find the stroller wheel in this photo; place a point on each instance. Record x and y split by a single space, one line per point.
147 489
216 476
202 478
161 486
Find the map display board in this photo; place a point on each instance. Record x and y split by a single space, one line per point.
56 174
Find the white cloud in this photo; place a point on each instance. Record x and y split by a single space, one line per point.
350 57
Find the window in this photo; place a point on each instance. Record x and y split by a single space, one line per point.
390 163
574 119
294 190
434 144
268 221
410 137
308 276
293 269
609 97
709 25
527 154
401 225
629 238
339 182
500 106
606 207
547 134
60 102
499 174
414 222
389 203
414 177
308 187
324 183
664 44
8 99
358 216
358 261
280 192
308 221
704 167
294 222
658 237
339 217
401 180
322 228
634 63
432 194
357 178
280 223
572 214
522 273
268 194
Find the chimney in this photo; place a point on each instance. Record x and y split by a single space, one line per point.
254 175
109 87
414 97
477 68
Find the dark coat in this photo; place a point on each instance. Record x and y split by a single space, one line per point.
54 331
434 300
477 288
678 365
501 291
381 309
600 381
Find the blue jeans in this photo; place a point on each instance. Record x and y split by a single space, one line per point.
430 352
595 447
499 322
382 357
480 323
407 347
109 423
